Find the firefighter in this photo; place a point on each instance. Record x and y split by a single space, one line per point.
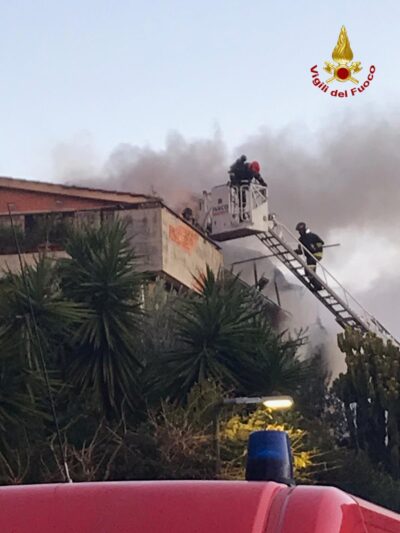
255 173
187 214
239 172
313 244
240 176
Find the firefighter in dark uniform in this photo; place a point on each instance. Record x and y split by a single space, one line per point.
314 244
240 174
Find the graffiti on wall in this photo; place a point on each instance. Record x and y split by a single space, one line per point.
183 236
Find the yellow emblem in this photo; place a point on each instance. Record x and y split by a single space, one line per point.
342 55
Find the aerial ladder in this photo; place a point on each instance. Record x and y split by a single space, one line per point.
232 212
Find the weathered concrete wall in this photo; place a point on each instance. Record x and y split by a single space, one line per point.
144 232
185 252
163 244
11 262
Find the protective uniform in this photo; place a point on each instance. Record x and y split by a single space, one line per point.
241 174
314 244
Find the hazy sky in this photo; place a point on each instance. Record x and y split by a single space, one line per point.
99 73
80 78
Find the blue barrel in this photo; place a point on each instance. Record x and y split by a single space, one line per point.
269 457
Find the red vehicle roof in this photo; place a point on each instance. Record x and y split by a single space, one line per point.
185 506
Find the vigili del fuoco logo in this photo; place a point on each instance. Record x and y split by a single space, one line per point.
343 70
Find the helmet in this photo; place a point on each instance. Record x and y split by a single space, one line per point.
255 166
243 158
187 213
301 226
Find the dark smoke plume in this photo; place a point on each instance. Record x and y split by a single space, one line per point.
346 180
350 179
178 173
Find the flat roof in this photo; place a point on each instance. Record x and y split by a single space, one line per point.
72 190
117 197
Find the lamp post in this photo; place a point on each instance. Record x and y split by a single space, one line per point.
275 403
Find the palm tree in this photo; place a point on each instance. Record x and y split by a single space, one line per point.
35 321
214 331
34 315
223 334
276 367
100 274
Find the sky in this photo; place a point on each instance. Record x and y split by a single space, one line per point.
100 88
98 73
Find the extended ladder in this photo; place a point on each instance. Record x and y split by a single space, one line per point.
347 311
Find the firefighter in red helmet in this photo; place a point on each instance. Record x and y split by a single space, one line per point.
255 167
255 170
242 174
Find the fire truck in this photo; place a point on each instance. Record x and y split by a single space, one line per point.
254 506
188 506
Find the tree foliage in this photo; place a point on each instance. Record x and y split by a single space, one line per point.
34 313
235 435
370 391
222 334
138 374
100 276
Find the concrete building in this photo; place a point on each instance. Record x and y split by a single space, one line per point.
166 244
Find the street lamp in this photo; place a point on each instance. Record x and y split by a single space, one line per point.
275 403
